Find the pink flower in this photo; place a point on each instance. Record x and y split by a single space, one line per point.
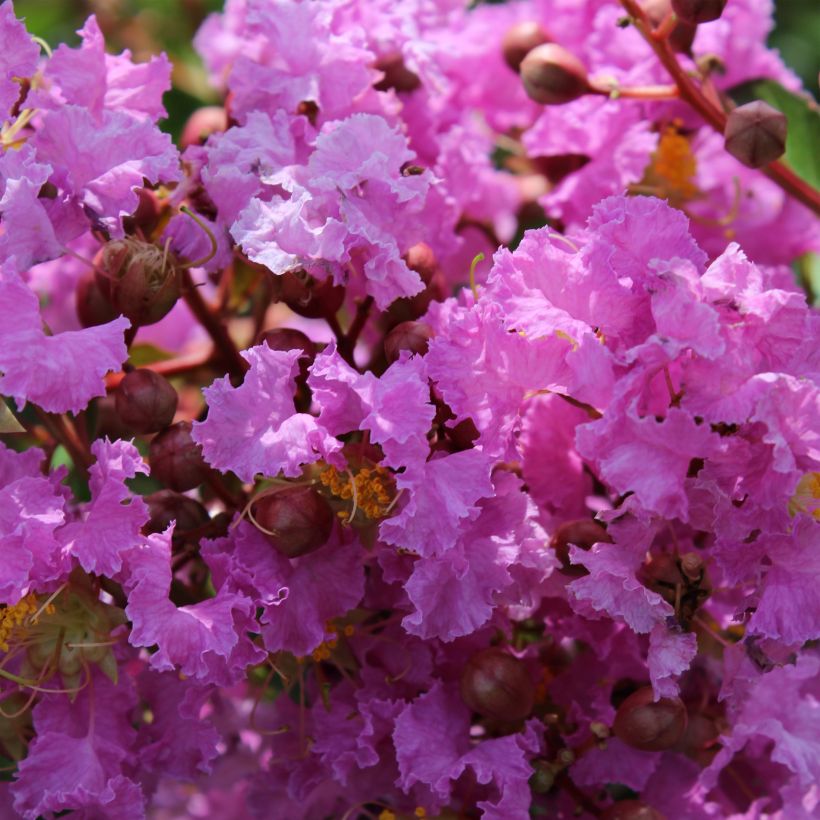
97 81
254 428
58 373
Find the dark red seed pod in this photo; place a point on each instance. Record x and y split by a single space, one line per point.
287 338
176 459
755 134
583 533
553 76
698 11
166 506
308 297
296 520
649 725
497 685
93 308
520 40
139 279
396 74
412 336
145 401
631 810
210 119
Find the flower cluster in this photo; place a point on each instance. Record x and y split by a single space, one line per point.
434 430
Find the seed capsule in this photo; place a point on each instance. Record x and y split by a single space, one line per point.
412 336
520 40
166 506
93 308
307 296
497 685
553 76
296 520
649 725
176 459
755 134
145 401
139 279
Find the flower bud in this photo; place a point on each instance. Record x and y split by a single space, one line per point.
631 810
145 401
649 725
287 338
166 506
396 74
412 336
422 260
755 134
93 308
296 520
691 565
553 76
520 40
176 459
497 685
698 11
583 533
138 278
682 35
307 296
210 119
543 777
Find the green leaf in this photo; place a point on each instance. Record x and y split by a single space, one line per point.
8 421
145 353
803 114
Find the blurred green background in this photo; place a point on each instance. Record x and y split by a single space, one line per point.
149 26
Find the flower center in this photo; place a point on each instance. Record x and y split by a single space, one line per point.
672 168
369 490
806 498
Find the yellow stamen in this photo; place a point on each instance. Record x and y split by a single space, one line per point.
806 498
372 490
673 167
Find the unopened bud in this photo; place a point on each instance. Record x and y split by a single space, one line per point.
422 260
166 506
631 810
698 11
176 459
307 296
553 76
396 74
691 565
520 40
497 685
210 119
287 338
682 35
145 401
543 777
650 725
755 134
296 520
93 308
138 278
412 336
146 218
